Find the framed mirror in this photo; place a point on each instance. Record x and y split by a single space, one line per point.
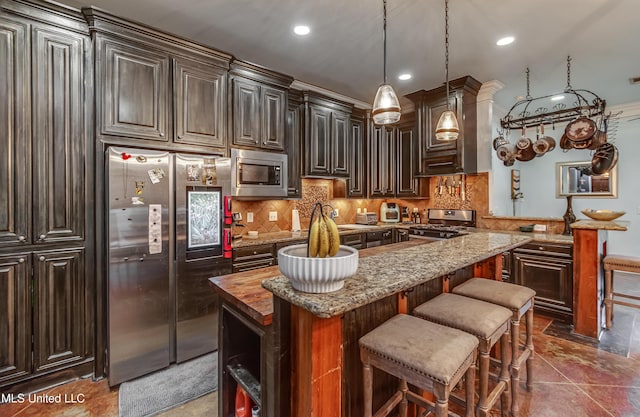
576 179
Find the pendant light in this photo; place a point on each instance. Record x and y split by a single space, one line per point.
386 107
447 127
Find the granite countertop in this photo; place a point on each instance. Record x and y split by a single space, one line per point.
537 236
382 275
528 218
284 236
597 224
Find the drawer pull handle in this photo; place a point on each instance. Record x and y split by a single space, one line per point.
540 247
43 237
21 238
42 258
21 260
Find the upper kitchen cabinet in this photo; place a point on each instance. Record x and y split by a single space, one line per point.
45 112
394 160
327 136
448 157
259 106
154 86
293 143
357 181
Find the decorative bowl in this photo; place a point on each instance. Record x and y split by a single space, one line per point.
317 275
603 215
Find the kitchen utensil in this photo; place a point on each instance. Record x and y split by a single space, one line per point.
581 129
543 144
525 150
605 158
463 193
499 141
440 186
602 215
564 142
507 151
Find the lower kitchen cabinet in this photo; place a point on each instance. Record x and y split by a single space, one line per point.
400 235
53 299
548 269
507 267
357 241
253 257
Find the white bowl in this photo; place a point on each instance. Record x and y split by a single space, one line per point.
317 275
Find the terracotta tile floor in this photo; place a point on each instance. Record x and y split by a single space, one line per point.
571 378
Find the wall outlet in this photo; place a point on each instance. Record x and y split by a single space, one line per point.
336 213
249 217
273 216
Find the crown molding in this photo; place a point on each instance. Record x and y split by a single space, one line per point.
301 85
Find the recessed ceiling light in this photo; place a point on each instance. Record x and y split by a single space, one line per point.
301 30
404 77
557 98
505 41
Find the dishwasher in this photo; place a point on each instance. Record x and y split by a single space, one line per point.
379 238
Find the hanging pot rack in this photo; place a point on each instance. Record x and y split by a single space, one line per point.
531 111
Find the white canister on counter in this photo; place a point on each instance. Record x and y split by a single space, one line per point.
295 220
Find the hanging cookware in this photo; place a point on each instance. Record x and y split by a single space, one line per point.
600 137
525 148
564 143
499 141
507 151
580 132
544 143
604 159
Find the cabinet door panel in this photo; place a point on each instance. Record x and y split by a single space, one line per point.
58 132
377 171
434 111
550 277
59 308
135 98
357 174
15 317
340 144
389 161
318 149
274 104
293 152
406 153
246 113
15 149
200 103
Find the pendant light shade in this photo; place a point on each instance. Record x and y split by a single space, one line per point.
447 127
386 106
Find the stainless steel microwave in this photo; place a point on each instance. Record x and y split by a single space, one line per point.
257 174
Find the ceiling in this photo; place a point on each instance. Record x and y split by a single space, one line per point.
343 53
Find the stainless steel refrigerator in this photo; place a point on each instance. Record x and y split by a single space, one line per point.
167 235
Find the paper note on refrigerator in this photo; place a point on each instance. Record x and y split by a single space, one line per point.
155 229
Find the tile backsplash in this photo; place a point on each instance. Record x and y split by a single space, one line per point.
313 190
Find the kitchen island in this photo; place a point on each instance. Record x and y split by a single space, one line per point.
314 357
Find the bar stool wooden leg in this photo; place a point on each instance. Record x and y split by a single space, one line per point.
529 346
470 377
402 407
368 389
505 398
483 366
515 366
608 296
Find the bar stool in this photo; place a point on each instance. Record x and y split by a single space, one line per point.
617 263
430 356
487 322
519 300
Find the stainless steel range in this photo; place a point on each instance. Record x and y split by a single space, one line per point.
444 224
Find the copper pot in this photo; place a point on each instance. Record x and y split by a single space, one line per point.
525 150
605 158
580 130
544 143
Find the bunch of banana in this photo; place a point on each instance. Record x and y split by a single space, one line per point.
324 239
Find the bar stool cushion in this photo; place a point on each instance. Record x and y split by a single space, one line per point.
622 263
511 296
425 348
470 315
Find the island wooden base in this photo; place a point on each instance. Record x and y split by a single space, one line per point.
589 249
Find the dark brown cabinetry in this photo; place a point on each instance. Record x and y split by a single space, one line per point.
327 137
152 86
259 106
134 85
253 257
547 268
357 182
59 316
294 137
15 317
393 162
448 157
358 240
200 106
46 109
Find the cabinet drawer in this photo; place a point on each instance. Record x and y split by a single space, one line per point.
253 252
354 240
256 264
547 248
